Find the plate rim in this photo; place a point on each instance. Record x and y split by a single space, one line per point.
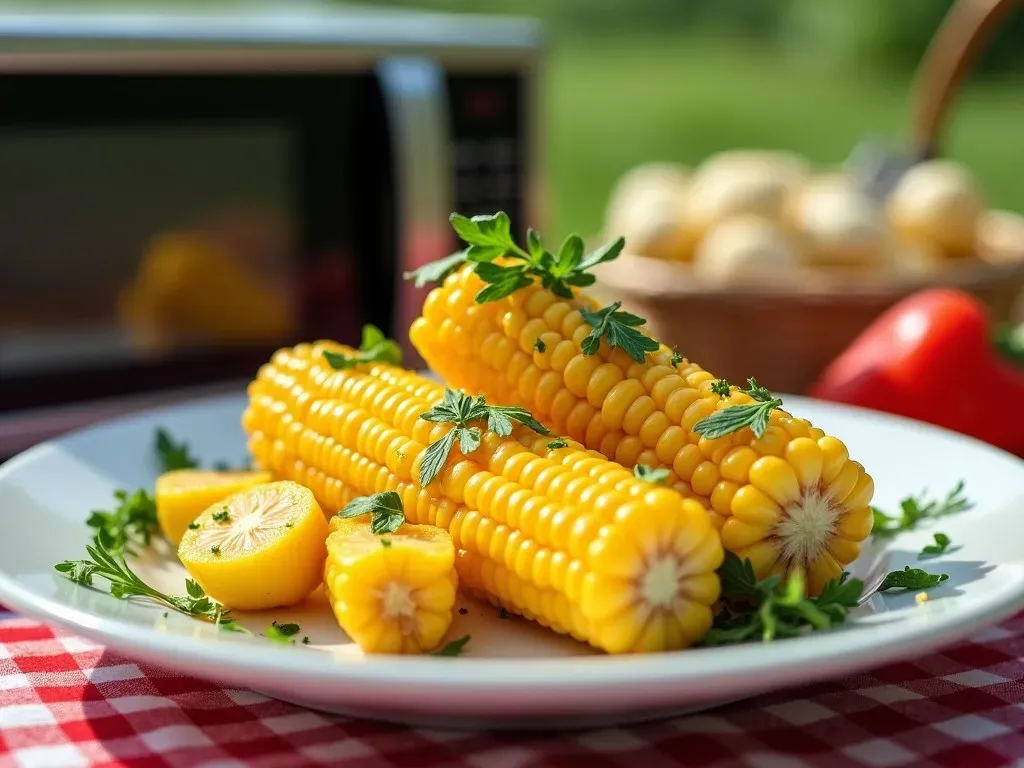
801 659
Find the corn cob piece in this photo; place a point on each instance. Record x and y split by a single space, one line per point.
392 593
789 500
561 536
182 494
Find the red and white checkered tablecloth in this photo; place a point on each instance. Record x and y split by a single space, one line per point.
67 702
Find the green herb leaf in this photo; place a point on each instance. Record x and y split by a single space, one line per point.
569 256
558 442
736 417
385 509
386 543
911 578
435 456
540 346
915 510
484 230
436 271
607 252
940 547
534 246
106 563
677 359
619 328
173 455
459 409
281 633
133 523
649 475
374 348
769 609
193 526
453 648
511 283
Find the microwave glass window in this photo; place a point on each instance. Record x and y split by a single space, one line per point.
119 244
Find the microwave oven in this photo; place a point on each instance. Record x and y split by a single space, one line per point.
184 192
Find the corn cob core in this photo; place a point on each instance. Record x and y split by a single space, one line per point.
791 500
563 536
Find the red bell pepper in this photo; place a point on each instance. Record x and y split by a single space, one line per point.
930 357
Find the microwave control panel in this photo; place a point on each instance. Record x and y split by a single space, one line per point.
488 152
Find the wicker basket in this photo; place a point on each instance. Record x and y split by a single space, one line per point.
787 335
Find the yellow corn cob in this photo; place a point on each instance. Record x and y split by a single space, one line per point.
560 536
791 500
392 593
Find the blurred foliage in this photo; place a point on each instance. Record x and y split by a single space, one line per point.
884 33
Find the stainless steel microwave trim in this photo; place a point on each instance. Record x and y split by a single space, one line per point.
415 98
29 29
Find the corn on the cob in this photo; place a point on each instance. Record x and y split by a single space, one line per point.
393 593
790 500
561 536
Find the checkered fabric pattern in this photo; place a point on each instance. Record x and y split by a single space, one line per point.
66 702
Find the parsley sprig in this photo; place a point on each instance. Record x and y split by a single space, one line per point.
173 455
385 510
282 633
375 347
490 237
108 564
461 410
915 510
132 522
735 417
620 329
911 578
767 609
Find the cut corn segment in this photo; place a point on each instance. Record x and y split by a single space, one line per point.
787 499
392 593
260 548
556 535
181 495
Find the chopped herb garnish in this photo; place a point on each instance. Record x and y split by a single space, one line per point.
215 549
132 523
620 329
502 613
281 633
193 526
385 510
677 358
911 578
940 547
305 640
385 543
454 648
108 564
463 611
222 516
540 346
915 510
721 388
490 238
374 348
558 442
166 614
289 524
459 409
649 475
735 417
767 609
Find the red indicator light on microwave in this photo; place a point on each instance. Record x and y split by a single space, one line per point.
483 104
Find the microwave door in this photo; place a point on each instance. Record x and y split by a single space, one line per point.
415 100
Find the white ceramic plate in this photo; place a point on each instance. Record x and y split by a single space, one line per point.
513 673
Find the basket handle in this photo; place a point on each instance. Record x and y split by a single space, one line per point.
966 28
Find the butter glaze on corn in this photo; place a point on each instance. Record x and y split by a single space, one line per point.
563 537
791 500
